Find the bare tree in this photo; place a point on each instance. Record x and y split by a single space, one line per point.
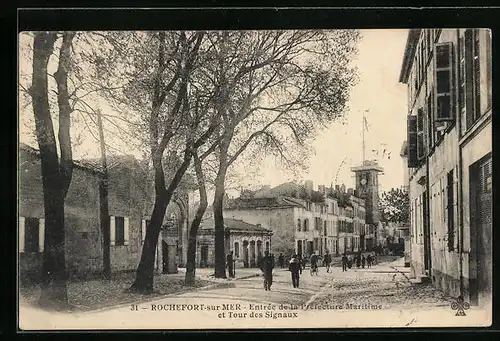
277 89
56 170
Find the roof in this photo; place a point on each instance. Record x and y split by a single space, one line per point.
82 164
234 225
408 57
255 203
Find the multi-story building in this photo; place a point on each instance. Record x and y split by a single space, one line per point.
448 73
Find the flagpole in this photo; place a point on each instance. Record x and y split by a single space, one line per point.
363 125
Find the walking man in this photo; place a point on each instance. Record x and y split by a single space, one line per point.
363 260
295 269
230 264
281 260
369 260
327 260
267 266
344 262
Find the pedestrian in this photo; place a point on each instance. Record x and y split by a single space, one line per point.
369 260
281 260
304 261
230 264
267 266
295 269
363 260
344 262
358 261
314 263
327 259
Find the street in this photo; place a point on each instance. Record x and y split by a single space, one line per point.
380 296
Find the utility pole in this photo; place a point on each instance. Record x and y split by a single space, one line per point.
103 201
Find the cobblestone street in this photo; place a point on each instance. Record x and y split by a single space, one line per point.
380 296
386 284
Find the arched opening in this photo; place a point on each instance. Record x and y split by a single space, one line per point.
245 254
236 250
253 260
259 249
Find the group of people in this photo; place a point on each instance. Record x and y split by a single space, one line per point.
359 259
297 264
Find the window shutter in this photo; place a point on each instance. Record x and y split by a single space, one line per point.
41 234
412 142
443 82
420 134
21 234
112 231
143 229
125 230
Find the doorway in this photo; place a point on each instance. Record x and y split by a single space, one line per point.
164 250
299 247
481 231
427 234
310 247
204 256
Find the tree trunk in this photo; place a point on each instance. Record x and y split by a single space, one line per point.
54 277
145 271
220 258
104 204
193 232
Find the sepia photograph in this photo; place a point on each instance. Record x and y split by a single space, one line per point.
250 179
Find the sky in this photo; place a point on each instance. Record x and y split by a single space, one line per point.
338 147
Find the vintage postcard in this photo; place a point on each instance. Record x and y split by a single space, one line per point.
333 178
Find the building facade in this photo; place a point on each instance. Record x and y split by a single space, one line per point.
130 204
278 214
247 241
333 222
448 73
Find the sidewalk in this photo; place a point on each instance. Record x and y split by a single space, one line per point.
207 274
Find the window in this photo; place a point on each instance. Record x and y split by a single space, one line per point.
470 76
236 249
119 227
324 229
306 224
443 82
31 234
450 211
412 142
298 225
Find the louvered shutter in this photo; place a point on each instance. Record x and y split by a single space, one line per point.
112 231
143 229
41 235
443 82
21 234
125 230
